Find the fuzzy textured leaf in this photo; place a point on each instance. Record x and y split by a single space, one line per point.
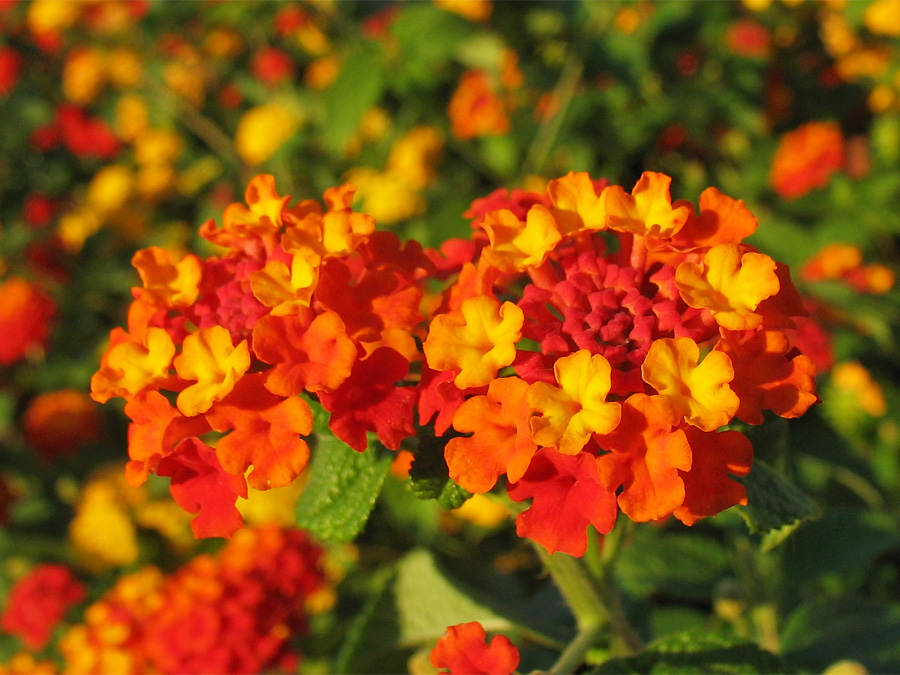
697 652
342 489
774 503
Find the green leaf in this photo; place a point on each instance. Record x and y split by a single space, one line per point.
342 489
774 505
684 565
358 87
822 632
860 537
412 608
428 37
429 477
697 652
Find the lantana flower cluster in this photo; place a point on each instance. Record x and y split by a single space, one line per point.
596 343
304 299
590 345
241 608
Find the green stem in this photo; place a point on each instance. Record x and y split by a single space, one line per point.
573 655
569 78
595 603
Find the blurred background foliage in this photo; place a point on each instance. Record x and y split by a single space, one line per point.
128 123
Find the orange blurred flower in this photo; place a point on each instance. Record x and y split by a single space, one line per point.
806 158
476 108
57 422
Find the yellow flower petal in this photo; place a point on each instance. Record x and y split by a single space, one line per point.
209 357
477 340
577 408
730 284
698 392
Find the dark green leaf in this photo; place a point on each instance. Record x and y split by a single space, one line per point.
685 565
697 652
822 632
342 489
429 477
843 541
774 504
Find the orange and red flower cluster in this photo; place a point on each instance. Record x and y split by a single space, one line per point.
591 346
594 344
304 299
241 609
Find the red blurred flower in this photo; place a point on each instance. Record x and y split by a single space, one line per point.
25 313
39 210
38 602
272 66
749 38
10 69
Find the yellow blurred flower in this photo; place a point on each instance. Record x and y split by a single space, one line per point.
869 62
757 5
76 226
837 35
23 663
171 521
271 506
132 117
158 146
264 129
110 189
881 99
155 181
386 196
482 511
199 174
185 76
882 17
852 378
51 16
84 74
125 67
473 10
374 124
414 155
627 20
312 40
101 531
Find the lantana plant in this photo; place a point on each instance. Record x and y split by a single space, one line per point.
590 349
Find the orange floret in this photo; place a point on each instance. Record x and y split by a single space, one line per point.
167 283
576 204
516 245
646 458
501 437
806 158
648 211
130 366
